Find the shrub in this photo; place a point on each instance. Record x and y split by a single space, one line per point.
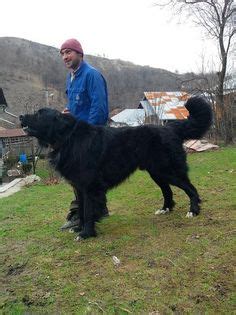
10 161
26 168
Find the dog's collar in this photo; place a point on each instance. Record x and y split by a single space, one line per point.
58 144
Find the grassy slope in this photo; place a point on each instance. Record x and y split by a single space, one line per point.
169 263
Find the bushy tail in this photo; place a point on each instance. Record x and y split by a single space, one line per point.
198 122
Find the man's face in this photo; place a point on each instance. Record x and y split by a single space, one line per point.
71 58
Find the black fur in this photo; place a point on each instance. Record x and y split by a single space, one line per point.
95 158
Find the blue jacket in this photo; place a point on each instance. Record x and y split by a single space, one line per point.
87 95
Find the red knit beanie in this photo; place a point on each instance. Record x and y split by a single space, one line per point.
72 44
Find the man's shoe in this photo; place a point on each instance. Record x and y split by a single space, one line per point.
73 222
70 224
72 217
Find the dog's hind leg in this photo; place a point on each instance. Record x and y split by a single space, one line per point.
184 183
194 203
167 194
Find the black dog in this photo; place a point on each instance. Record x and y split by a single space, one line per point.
94 159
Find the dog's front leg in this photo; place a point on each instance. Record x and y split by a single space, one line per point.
88 217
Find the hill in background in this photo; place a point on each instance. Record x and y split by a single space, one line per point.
32 75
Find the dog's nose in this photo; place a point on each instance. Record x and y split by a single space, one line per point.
21 117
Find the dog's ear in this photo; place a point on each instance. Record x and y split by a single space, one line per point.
63 123
66 119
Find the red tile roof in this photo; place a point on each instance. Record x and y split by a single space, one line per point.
172 102
10 133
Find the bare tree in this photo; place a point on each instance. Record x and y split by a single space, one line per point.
215 17
205 83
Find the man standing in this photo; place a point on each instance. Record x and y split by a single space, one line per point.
86 91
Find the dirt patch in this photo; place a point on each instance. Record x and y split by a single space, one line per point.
16 269
38 299
222 289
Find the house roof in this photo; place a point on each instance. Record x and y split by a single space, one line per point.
115 112
10 133
167 105
131 117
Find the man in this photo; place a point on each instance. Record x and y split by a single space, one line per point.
87 96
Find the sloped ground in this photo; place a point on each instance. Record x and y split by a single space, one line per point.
168 264
16 185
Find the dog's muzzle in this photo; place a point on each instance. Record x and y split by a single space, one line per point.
23 125
21 119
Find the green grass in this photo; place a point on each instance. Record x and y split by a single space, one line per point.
169 264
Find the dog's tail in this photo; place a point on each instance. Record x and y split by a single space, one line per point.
198 122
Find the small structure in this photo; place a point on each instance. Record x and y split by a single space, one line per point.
164 106
12 141
155 108
199 146
128 117
3 108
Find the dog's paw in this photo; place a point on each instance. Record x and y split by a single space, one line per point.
79 238
75 229
162 211
190 215
86 234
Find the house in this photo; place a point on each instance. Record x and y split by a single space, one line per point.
14 141
155 108
161 107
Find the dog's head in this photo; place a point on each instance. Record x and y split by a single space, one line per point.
48 125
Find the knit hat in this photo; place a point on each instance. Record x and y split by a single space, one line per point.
72 44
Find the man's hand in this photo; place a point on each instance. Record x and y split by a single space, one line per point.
65 111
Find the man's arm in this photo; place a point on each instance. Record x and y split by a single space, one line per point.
66 109
97 90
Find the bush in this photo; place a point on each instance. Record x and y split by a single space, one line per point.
26 168
10 161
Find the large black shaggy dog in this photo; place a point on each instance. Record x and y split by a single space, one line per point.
94 159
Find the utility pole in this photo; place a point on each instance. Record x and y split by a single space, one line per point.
47 96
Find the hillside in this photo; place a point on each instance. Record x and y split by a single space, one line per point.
27 69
